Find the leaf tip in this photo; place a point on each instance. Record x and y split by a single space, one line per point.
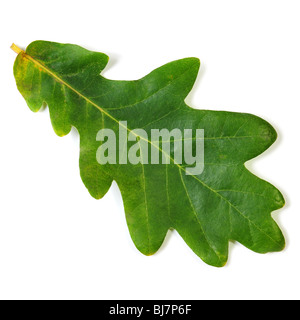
195 62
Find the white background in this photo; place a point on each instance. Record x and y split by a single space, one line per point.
56 241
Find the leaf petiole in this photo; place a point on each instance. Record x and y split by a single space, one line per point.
16 49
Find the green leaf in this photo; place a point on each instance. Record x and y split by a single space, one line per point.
225 202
